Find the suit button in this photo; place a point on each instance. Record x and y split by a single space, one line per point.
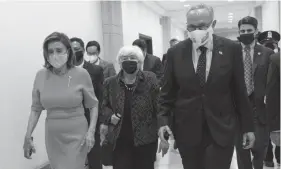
203 95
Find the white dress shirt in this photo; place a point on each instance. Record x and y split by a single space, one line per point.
196 53
97 62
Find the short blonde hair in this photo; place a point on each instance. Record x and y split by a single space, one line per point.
130 51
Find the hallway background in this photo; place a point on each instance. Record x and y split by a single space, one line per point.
25 24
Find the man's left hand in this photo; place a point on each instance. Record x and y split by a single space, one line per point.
248 140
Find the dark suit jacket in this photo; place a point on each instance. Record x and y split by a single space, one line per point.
164 59
260 69
153 64
273 93
224 89
108 68
143 109
96 74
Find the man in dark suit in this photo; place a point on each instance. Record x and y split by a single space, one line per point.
151 63
256 62
172 42
96 73
203 83
273 95
93 51
270 39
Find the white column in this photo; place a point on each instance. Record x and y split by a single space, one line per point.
166 26
257 13
111 12
271 16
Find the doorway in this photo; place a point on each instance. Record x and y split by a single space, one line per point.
148 40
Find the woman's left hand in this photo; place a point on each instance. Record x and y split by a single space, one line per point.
89 140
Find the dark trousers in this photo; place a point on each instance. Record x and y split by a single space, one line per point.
128 156
258 151
207 155
94 156
269 155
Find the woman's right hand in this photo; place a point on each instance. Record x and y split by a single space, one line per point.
115 119
28 147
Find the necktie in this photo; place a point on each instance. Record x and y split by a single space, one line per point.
201 66
248 70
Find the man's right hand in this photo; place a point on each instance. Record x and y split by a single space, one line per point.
163 148
162 131
164 144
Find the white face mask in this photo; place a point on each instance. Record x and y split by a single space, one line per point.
93 58
275 50
201 37
57 61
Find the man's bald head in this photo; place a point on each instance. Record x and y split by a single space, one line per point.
199 16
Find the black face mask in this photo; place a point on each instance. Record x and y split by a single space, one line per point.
79 55
129 66
246 39
270 45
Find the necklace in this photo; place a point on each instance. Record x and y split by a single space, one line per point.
129 88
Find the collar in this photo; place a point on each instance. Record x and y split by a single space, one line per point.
97 62
252 45
209 44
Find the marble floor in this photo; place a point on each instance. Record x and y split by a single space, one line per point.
172 160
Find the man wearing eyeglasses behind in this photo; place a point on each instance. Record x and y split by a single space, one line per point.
204 87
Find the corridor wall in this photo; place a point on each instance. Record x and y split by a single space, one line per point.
177 32
24 25
138 18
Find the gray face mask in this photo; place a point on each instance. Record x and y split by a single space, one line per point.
57 61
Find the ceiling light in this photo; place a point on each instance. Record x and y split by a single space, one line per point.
230 16
186 6
230 13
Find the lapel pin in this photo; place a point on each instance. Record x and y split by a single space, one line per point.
220 52
259 53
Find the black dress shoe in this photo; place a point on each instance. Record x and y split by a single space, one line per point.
268 163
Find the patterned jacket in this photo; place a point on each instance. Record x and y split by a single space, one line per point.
143 111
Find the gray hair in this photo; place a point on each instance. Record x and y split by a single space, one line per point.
202 6
130 51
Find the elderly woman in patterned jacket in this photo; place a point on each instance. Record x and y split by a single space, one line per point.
129 112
